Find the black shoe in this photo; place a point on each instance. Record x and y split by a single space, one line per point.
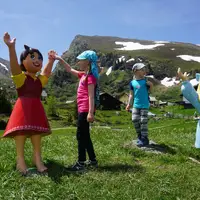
92 164
78 167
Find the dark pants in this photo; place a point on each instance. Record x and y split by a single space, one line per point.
84 140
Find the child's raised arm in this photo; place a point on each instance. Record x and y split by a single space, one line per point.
14 65
67 66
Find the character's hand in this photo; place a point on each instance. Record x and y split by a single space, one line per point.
8 41
90 117
52 55
181 75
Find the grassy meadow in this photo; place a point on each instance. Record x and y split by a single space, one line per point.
124 172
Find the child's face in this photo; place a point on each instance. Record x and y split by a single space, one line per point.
83 64
140 72
33 62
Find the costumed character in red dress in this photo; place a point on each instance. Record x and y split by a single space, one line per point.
28 118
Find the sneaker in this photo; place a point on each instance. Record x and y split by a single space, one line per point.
78 167
139 136
143 142
92 164
139 139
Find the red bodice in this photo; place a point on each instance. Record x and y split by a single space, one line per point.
31 88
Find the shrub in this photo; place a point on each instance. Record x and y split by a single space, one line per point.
52 109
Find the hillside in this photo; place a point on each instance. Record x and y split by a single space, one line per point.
119 54
4 68
6 83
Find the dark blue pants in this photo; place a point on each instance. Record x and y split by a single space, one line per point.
84 140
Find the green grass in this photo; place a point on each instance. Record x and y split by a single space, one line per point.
173 109
123 173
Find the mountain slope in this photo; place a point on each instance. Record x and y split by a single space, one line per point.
161 57
4 68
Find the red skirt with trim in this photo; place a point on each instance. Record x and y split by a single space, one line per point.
27 118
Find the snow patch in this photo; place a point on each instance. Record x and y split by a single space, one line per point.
129 46
132 59
172 49
140 59
2 65
150 76
194 82
168 82
122 58
109 70
189 58
161 42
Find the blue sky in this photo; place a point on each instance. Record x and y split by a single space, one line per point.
48 24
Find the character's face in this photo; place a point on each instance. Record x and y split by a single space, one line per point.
33 62
83 64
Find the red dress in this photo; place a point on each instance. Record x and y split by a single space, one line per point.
28 116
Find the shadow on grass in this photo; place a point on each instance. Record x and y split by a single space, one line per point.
57 170
152 147
160 148
120 168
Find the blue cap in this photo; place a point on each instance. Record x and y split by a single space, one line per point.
92 57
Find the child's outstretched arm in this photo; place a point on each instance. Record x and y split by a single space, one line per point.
67 66
130 100
48 67
90 117
14 65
